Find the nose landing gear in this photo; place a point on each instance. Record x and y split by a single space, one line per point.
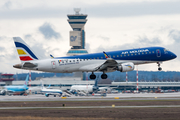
159 67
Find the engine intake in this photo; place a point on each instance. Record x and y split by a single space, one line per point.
126 67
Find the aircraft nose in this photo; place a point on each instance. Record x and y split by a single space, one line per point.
173 55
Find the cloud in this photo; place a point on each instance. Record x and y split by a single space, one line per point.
36 47
104 38
47 30
175 34
7 5
2 49
105 9
139 43
144 41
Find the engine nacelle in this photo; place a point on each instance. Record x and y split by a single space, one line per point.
126 67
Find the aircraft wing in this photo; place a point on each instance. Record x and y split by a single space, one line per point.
109 63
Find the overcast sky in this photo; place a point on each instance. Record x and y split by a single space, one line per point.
111 25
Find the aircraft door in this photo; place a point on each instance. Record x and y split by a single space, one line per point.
158 52
53 64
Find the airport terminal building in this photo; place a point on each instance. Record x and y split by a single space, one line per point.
65 83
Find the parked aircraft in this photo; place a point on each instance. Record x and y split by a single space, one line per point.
121 60
48 91
86 88
2 92
17 90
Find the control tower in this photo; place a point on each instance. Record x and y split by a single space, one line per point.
77 36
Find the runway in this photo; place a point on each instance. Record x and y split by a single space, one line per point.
120 96
90 107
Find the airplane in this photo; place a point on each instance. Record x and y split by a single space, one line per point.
48 91
86 88
120 60
17 90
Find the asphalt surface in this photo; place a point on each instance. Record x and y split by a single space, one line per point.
90 107
119 96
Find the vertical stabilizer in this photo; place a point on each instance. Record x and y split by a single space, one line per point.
24 51
26 81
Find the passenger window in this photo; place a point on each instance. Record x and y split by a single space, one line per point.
149 52
132 54
124 55
113 56
135 54
117 55
152 51
128 54
121 55
97 57
139 53
146 52
142 53
73 60
101 57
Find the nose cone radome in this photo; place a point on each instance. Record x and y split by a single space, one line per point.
173 55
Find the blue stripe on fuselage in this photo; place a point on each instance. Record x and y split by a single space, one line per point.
144 54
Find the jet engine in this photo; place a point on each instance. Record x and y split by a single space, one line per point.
126 67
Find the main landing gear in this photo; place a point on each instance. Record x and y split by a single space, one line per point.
93 76
103 76
159 67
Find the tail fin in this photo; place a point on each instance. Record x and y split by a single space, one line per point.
49 86
51 56
27 79
24 51
42 85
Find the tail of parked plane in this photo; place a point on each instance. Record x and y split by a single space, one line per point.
24 51
42 85
26 81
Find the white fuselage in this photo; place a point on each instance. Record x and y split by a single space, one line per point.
85 88
74 65
45 90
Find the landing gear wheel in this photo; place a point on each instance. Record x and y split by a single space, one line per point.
103 76
159 68
92 76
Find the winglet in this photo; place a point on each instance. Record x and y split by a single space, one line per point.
51 56
105 55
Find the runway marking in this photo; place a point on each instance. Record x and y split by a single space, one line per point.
90 107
